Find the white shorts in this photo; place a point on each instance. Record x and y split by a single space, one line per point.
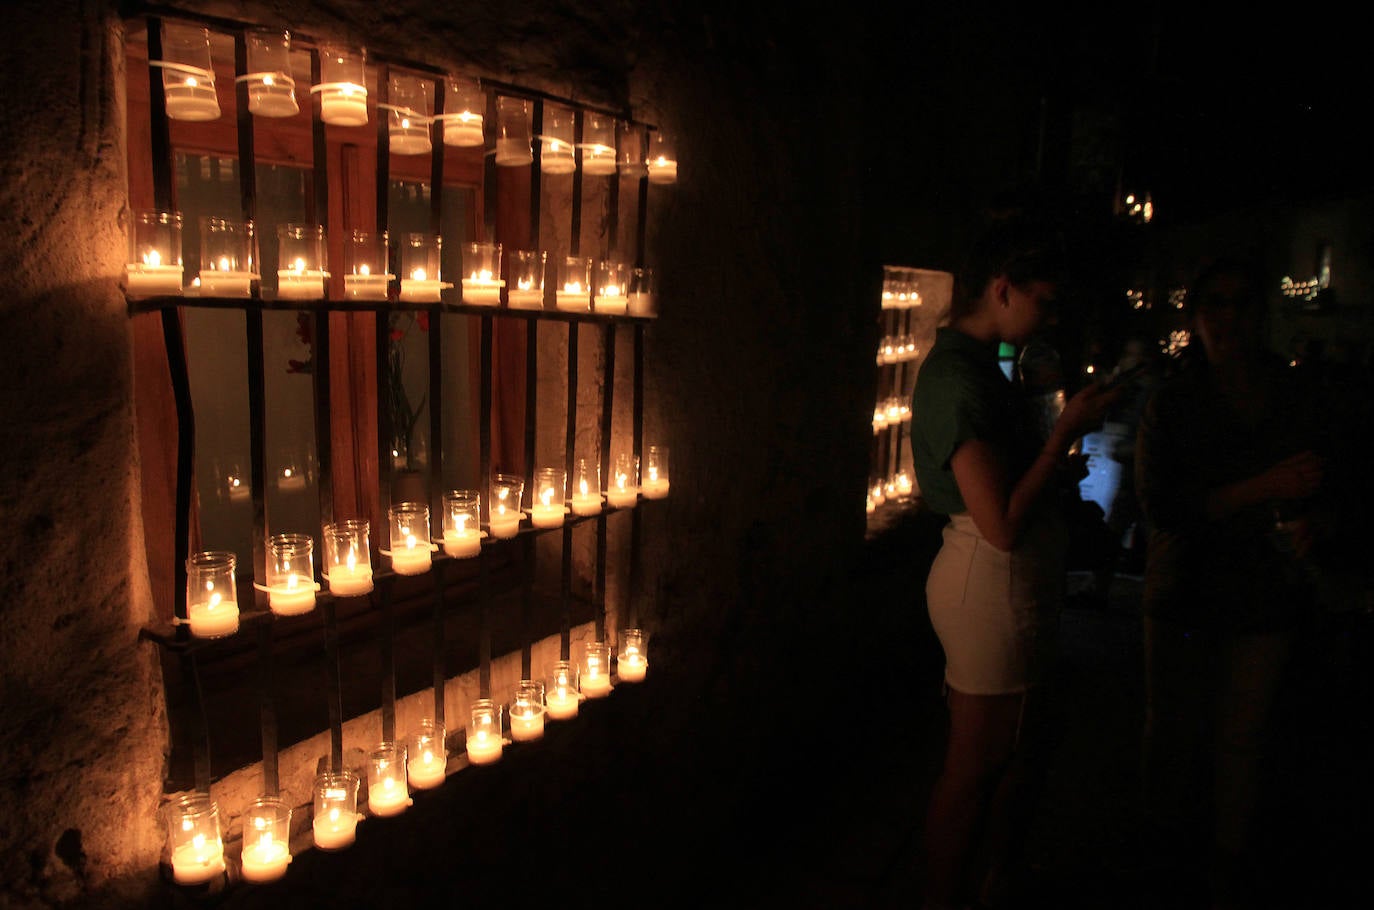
995 612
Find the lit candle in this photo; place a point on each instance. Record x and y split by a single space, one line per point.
217 283
462 542
596 683
350 579
546 513
426 770
300 283
463 129
238 490
293 598
336 830
661 170
213 617
505 523
198 860
266 859
151 278
481 289
526 722
411 559
420 288
572 296
344 104
562 702
584 501
609 300
387 797
526 298
291 479
621 494
365 286
484 747
655 487
631 666
192 98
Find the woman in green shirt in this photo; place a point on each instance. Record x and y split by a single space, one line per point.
994 588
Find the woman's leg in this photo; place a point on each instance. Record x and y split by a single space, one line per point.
981 739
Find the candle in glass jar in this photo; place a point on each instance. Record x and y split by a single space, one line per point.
546 513
213 617
561 702
336 829
505 523
484 747
595 683
198 860
621 494
293 598
631 666
526 723
215 283
426 770
387 797
572 296
154 280
462 543
265 859
655 487
526 298
350 579
586 502
366 287
300 284
482 289
411 559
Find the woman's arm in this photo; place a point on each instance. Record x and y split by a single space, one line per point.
1000 507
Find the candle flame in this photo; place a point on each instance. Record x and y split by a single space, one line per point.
298 265
572 287
418 274
610 290
191 82
525 284
153 258
198 841
462 521
333 815
388 784
268 80
352 559
584 486
467 116
428 757
653 472
410 541
405 123
620 480
364 269
482 275
224 263
547 496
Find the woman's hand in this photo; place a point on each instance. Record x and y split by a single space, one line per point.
1085 411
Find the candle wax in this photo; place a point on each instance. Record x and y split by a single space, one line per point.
481 293
213 619
571 300
265 860
484 748
285 600
505 526
226 284
596 686
154 280
410 560
387 797
613 305
662 171
462 544
640 305
365 287
656 489
631 668
303 285
350 581
426 771
622 498
336 830
586 504
192 102
547 516
344 109
561 705
415 290
462 133
513 153
526 299
194 863
529 726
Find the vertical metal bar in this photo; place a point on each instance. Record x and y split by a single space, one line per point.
576 230
267 709
388 645
483 570
320 149
531 425
333 682
642 216
631 612
160 136
186 443
536 185
440 672
489 207
607 405
569 462
200 730
320 374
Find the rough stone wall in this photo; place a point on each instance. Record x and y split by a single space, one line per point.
760 367
82 725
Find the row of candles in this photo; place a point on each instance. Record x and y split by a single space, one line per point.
901 288
212 609
897 485
890 412
608 145
896 349
229 266
195 843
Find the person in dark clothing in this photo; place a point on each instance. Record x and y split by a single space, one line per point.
1227 449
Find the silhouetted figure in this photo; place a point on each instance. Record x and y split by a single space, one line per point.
995 588
1226 463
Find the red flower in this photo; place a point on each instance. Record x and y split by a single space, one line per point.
422 320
